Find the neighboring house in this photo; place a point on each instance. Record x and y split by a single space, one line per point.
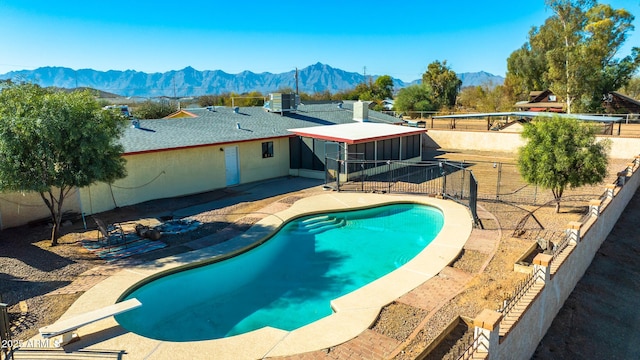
199 150
541 101
617 103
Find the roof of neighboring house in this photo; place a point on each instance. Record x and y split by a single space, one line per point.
356 132
542 104
222 125
539 96
626 98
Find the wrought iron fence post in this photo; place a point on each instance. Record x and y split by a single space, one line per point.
390 177
498 182
462 169
327 171
362 177
338 166
443 174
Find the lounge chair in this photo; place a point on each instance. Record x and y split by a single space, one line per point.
109 234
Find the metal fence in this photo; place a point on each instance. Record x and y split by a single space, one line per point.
450 180
520 291
478 343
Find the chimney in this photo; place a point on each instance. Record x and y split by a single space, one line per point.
361 111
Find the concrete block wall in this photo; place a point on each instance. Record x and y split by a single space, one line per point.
526 334
496 141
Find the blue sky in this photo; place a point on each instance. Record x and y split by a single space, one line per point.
397 38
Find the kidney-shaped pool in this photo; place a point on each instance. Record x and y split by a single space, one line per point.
286 282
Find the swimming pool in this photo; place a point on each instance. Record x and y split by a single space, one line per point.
288 281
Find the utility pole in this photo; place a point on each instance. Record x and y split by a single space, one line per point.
174 87
297 81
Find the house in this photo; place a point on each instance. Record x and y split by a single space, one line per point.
199 150
617 103
541 101
203 149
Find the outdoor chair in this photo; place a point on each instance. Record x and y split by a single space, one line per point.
109 234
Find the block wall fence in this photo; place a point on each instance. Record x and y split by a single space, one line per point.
554 277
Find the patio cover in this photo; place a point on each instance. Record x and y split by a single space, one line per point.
357 132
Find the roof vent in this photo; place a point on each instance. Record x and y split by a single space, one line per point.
135 124
339 105
236 110
211 108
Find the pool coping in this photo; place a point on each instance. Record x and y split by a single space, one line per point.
354 312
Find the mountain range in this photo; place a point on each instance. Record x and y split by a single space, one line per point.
191 82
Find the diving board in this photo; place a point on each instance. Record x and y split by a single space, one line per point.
66 328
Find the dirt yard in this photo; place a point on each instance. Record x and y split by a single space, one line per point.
42 276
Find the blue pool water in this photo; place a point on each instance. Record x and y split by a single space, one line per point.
288 281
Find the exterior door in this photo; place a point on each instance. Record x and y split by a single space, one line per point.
231 166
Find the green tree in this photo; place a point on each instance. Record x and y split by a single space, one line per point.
632 88
526 69
154 109
376 91
485 98
210 100
317 96
383 88
573 54
415 98
562 152
444 83
52 142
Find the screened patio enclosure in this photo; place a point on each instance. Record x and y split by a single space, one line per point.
312 147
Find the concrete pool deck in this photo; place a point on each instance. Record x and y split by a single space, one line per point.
355 312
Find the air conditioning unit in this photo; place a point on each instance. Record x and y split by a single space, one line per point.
280 102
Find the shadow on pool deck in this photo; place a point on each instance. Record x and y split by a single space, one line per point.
218 231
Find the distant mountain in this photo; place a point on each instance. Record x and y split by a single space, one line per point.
480 78
191 82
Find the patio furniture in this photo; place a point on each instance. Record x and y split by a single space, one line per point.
109 234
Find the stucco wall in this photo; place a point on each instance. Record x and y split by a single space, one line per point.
181 172
157 175
621 148
20 208
523 339
473 140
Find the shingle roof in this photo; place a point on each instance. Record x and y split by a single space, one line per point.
221 126
626 98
